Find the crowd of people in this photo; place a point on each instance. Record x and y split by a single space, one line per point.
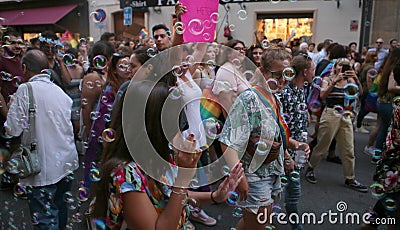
249 107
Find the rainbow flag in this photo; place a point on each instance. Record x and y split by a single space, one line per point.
143 33
67 36
268 100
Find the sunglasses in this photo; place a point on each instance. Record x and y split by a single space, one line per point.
379 42
257 53
279 74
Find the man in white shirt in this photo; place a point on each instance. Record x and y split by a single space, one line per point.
54 137
322 54
380 51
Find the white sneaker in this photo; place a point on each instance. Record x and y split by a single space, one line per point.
203 218
370 151
362 130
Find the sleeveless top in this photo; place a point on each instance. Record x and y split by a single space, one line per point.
191 94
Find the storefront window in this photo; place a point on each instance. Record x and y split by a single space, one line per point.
281 27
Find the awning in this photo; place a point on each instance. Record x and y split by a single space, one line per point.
37 16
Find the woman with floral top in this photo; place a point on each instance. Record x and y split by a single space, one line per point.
256 133
127 197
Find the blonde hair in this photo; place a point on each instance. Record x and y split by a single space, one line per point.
273 53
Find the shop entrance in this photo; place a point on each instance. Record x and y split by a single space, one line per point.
273 26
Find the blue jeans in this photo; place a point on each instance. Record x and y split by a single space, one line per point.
48 207
385 111
292 197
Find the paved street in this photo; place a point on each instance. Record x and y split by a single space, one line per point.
318 198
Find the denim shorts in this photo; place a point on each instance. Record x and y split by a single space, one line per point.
262 191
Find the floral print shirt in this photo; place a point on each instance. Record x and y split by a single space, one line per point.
248 117
129 177
292 98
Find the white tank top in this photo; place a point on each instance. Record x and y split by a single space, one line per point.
191 95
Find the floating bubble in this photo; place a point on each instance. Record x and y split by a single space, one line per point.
179 27
232 27
177 71
302 108
242 15
84 101
212 128
5 76
265 44
396 102
100 62
276 210
70 177
108 135
338 108
12 166
372 73
351 91
107 117
104 99
377 190
315 106
248 74
237 212
35 218
232 198
211 64
294 176
47 71
377 154
236 62
207 36
261 148
94 115
17 81
99 224
123 67
151 52
194 183
95 175
348 113
192 204
215 17
195 26
98 83
69 59
175 93
284 180
390 204
272 85
286 63
76 218
83 194
287 117
89 84
226 170
68 198
288 73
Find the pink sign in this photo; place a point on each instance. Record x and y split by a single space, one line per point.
200 20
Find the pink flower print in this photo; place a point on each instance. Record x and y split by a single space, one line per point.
392 178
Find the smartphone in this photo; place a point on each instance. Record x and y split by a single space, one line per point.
345 67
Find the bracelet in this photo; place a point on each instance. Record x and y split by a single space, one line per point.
212 198
181 191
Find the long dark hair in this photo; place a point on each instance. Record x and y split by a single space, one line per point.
112 77
392 60
117 152
99 48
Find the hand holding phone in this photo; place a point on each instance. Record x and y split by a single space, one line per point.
345 67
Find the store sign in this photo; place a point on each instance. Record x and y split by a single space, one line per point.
354 25
152 3
127 16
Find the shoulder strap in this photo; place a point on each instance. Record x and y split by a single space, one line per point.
32 112
267 100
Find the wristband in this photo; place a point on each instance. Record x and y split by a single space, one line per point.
181 191
212 198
